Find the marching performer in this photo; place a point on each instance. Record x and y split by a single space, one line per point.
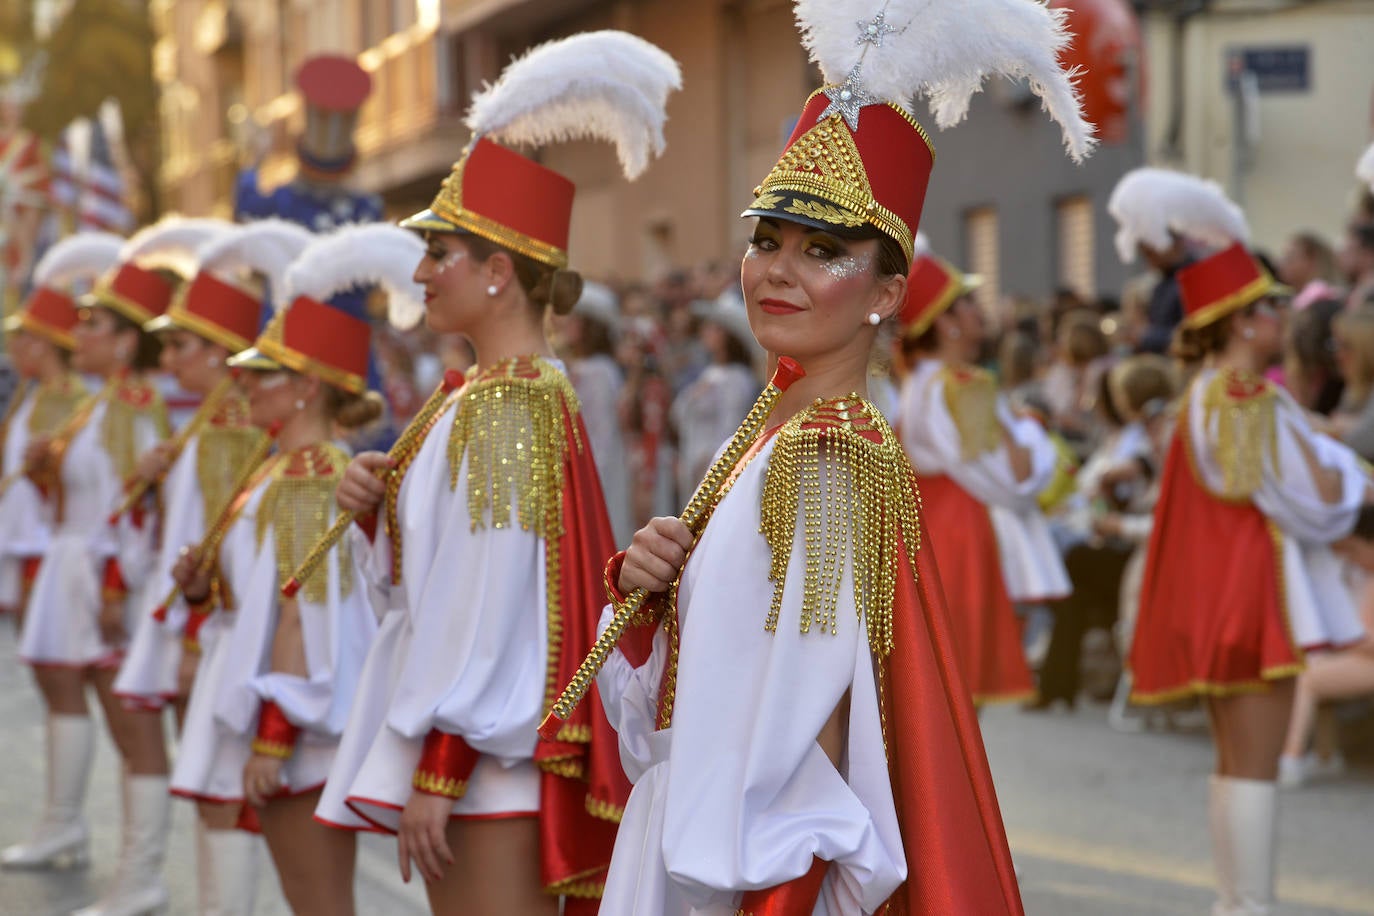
1239 577
78 617
40 342
274 688
485 541
981 471
801 740
192 475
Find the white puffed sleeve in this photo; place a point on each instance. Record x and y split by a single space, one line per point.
476 664
932 440
630 697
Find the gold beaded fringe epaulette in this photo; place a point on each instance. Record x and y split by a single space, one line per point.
1244 408
298 508
838 470
971 399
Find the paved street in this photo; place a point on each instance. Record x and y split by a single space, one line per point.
1100 823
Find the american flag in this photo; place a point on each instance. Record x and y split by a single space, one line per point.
100 204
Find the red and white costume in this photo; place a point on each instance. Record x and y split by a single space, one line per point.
286 508
718 728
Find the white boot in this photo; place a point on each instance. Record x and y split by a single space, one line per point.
60 840
228 875
138 887
1223 853
1253 818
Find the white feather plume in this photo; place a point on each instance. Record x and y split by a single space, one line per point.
78 258
267 247
372 254
945 49
604 85
1148 204
922 245
172 242
1364 169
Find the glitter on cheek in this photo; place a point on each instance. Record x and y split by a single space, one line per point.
272 381
450 260
848 267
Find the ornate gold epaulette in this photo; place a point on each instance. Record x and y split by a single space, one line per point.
1244 407
130 399
55 402
839 465
510 426
224 445
298 507
971 399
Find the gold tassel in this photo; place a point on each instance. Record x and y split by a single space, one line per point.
839 466
117 432
1244 408
509 426
54 403
298 506
971 399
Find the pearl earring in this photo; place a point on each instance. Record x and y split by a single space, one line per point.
875 319
300 404
492 290
1247 333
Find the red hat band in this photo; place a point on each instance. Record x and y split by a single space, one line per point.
320 340
1227 281
138 294
49 314
932 286
515 202
217 311
832 175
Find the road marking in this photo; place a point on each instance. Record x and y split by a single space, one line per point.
1325 894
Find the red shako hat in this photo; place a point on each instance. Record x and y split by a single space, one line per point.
605 85
932 286
1227 281
51 310
320 330
858 160
135 288
225 299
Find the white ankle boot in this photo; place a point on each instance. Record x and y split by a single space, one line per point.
1243 820
227 872
60 840
138 887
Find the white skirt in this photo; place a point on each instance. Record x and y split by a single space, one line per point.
62 626
148 677
211 756
1031 564
371 779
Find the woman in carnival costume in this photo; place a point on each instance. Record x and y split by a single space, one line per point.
981 470
486 540
39 338
278 676
192 476
1239 578
75 632
801 739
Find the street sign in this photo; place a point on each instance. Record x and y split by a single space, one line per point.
1277 68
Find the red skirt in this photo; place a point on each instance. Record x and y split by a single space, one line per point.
1212 616
987 633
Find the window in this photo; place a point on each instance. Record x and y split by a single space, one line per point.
1075 230
983 243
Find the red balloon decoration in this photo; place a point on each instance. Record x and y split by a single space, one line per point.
1106 48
